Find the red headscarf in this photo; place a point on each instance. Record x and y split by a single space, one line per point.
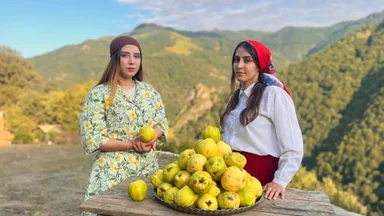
265 64
264 55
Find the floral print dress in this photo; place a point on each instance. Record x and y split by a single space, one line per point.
100 121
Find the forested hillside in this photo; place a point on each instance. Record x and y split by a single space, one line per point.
19 83
28 100
338 94
352 154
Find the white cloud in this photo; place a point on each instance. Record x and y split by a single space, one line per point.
266 15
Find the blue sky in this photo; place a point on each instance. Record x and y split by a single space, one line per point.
36 27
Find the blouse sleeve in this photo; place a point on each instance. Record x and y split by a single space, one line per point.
161 118
289 137
93 126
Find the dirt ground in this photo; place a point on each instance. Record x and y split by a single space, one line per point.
47 179
42 179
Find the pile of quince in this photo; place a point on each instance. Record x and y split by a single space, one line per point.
209 177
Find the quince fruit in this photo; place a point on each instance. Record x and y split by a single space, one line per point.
255 186
246 174
181 179
224 148
163 188
157 178
247 196
207 202
196 163
200 182
137 190
233 179
147 133
169 195
214 190
229 200
183 158
207 147
212 132
235 159
170 171
185 197
216 167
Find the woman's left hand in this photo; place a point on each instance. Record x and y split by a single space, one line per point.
153 144
140 146
159 133
272 190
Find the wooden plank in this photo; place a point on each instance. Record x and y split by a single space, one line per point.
155 210
315 196
117 202
293 207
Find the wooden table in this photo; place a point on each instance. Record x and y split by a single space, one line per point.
117 202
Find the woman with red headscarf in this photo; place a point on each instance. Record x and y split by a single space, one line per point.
260 120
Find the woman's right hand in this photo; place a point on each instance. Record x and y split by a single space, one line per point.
140 146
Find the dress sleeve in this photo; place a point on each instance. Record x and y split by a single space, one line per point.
161 118
93 126
289 136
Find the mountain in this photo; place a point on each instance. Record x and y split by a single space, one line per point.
77 63
338 95
290 43
166 50
74 64
299 42
337 31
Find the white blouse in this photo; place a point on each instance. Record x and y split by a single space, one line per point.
275 131
130 92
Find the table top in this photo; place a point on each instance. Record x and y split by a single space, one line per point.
117 202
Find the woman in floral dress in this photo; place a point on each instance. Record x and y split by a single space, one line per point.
112 115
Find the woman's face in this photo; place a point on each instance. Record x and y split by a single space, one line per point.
130 60
245 68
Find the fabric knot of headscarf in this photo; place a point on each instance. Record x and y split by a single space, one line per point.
267 70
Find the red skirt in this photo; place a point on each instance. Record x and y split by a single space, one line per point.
261 167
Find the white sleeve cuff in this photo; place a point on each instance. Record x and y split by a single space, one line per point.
280 182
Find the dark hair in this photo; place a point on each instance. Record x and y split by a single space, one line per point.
113 69
252 110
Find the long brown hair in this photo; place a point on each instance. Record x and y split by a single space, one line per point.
110 75
252 110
